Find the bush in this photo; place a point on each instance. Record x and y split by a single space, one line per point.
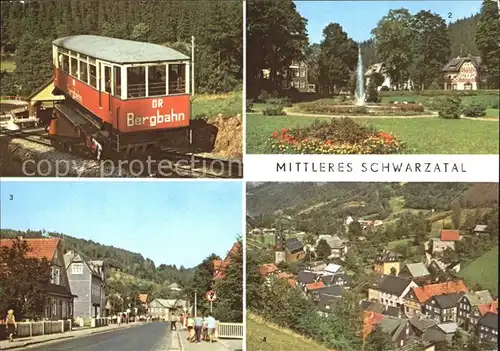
450 108
384 88
475 109
339 136
266 95
372 94
249 106
274 111
429 92
281 101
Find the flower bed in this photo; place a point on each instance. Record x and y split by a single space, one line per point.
339 136
322 107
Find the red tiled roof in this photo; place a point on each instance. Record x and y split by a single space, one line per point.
450 235
314 286
292 282
39 247
220 266
267 268
284 275
370 320
424 293
488 307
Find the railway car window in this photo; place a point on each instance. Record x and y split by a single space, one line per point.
64 63
84 72
118 80
74 67
136 82
93 75
176 78
157 83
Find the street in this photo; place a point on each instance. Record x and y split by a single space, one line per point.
147 337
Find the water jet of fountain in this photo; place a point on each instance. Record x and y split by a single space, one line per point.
360 85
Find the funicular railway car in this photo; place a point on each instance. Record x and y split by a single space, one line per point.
120 92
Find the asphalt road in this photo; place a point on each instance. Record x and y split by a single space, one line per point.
147 337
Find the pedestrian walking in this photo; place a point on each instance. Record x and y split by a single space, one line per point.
173 322
181 321
119 319
198 325
190 326
205 329
211 327
10 320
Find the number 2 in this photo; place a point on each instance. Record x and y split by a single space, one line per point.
449 14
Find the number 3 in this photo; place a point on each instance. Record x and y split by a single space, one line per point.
11 197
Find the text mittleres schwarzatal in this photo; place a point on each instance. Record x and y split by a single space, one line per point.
371 167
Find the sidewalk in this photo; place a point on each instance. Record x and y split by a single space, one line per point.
26 341
220 345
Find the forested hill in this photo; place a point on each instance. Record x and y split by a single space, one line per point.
362 199
126 261
28 28
462 37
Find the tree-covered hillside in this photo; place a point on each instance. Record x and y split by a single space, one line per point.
29 26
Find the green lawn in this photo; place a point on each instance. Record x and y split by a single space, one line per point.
492 113
277 339
423 135
209 105
391 245
483 270
7 65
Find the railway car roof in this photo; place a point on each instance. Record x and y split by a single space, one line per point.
118 50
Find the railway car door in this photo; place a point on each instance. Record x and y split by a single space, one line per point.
106 83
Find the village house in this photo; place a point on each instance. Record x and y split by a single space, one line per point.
447 240
337 245
442 308
164 308
340 279
479 311
86 279
304 278
377 307
59 301
390 290
220 266
467 303
481 230
381 68
294 76
417 297
294 250
420 324
487 328
436 266
326 304
268 271
174 287
442 332
387 263
315 266
399 330
417 272
464 73
143 298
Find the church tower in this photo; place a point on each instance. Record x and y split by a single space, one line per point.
279 247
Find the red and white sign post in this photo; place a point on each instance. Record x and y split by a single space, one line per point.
211 296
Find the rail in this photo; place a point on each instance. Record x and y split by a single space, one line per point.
11 97
230 330
43 328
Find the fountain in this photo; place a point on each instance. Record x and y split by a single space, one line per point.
360 85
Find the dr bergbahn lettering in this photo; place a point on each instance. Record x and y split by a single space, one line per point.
154 120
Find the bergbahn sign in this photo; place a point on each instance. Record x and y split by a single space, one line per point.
211 296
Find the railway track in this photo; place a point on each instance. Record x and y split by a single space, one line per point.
162 163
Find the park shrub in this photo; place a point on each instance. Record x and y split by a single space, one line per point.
450 108
276 110
281 101
475 109
325 106
249 106
372 93
339 136
384 88
494 92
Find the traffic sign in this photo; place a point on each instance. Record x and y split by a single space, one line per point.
211 296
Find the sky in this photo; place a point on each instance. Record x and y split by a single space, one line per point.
358 18
173 222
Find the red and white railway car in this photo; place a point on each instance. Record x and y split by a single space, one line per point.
133 91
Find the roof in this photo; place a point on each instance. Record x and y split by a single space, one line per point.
292 282
370 320
489 308
421 323
479 297
448 328
448 300
285 275
394 285
326 303
306 277
59 290
333 268
39 247
454 64
375 68
424 293
267 268
392 311
334 241
372 306
434 334
489 320
119 50
481 228
315 286
220 266
334 279
450 235
334 290
143 298
392 326
44 92
417 269
93 266
167 303
294 244
387 256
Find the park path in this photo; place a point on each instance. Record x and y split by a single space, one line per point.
290 112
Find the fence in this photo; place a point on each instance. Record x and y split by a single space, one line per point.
230 330
42 328
98 322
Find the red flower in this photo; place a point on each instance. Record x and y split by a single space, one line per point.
328 142
284 130
274 135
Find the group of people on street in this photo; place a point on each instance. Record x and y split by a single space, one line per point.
199 328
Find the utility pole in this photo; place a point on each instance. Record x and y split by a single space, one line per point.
192 65
195 303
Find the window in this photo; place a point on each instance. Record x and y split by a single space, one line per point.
117 71
302 84
136 82
84 71
56 276
74 67
157 80
93 75
177 78
64 63
302 72
77 268
468 86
